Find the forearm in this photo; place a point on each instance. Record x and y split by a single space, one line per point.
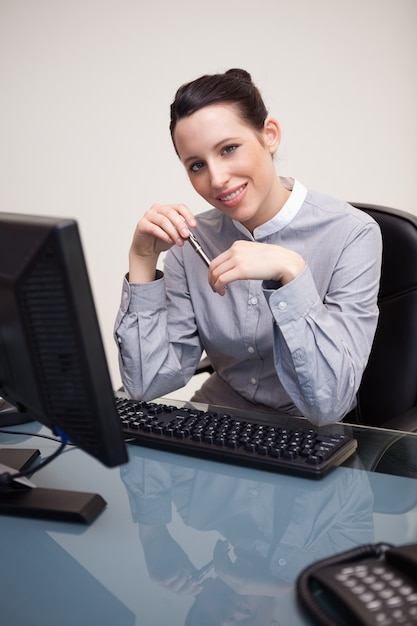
318 370
142 269
153 358
320 350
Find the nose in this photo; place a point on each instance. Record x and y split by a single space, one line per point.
218 174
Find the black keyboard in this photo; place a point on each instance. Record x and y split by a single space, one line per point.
273 443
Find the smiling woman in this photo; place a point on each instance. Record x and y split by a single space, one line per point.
294 329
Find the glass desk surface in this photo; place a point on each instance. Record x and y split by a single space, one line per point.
185 541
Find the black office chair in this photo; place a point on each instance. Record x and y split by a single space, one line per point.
387 396
388 393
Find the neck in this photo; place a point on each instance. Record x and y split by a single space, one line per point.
278 196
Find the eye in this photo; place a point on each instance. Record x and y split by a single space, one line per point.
229 149
195 167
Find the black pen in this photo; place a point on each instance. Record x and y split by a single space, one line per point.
201 573
193 241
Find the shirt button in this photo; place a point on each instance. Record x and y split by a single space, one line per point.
125 295
251 350
253 301
297 355
282 305
253 381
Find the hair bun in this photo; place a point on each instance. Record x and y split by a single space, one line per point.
233 87
239 73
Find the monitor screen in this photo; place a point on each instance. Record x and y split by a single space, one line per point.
52 359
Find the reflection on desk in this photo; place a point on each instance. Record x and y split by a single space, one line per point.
184 540
269 527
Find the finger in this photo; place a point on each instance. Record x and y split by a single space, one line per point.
221 551
165 223
186 214
222 275
174 220
185 583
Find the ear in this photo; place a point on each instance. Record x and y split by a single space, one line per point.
272 134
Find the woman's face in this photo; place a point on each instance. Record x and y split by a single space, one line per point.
230 164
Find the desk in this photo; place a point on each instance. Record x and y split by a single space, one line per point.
166 517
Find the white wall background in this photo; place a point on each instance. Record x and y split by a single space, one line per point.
85 89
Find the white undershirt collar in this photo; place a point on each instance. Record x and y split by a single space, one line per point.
285 215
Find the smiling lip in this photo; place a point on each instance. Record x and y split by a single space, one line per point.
232 197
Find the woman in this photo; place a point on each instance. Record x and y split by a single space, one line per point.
287 309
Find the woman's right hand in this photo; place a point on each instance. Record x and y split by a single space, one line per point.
162 226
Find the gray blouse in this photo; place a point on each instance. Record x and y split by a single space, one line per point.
300 348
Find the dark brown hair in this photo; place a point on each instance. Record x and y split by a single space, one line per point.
233 87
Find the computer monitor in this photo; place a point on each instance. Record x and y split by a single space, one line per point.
52 360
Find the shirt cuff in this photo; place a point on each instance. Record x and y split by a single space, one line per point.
143 296
293 300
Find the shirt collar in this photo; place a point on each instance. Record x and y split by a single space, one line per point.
285 215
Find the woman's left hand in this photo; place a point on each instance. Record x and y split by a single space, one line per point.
251 260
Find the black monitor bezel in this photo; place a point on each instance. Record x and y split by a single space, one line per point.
23 239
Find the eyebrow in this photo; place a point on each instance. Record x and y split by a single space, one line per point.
217 145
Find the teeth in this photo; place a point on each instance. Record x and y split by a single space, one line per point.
233 195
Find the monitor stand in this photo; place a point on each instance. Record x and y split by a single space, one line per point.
9 416
53 504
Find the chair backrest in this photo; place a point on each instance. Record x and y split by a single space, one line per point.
389 384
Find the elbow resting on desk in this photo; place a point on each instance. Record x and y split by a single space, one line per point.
328 405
